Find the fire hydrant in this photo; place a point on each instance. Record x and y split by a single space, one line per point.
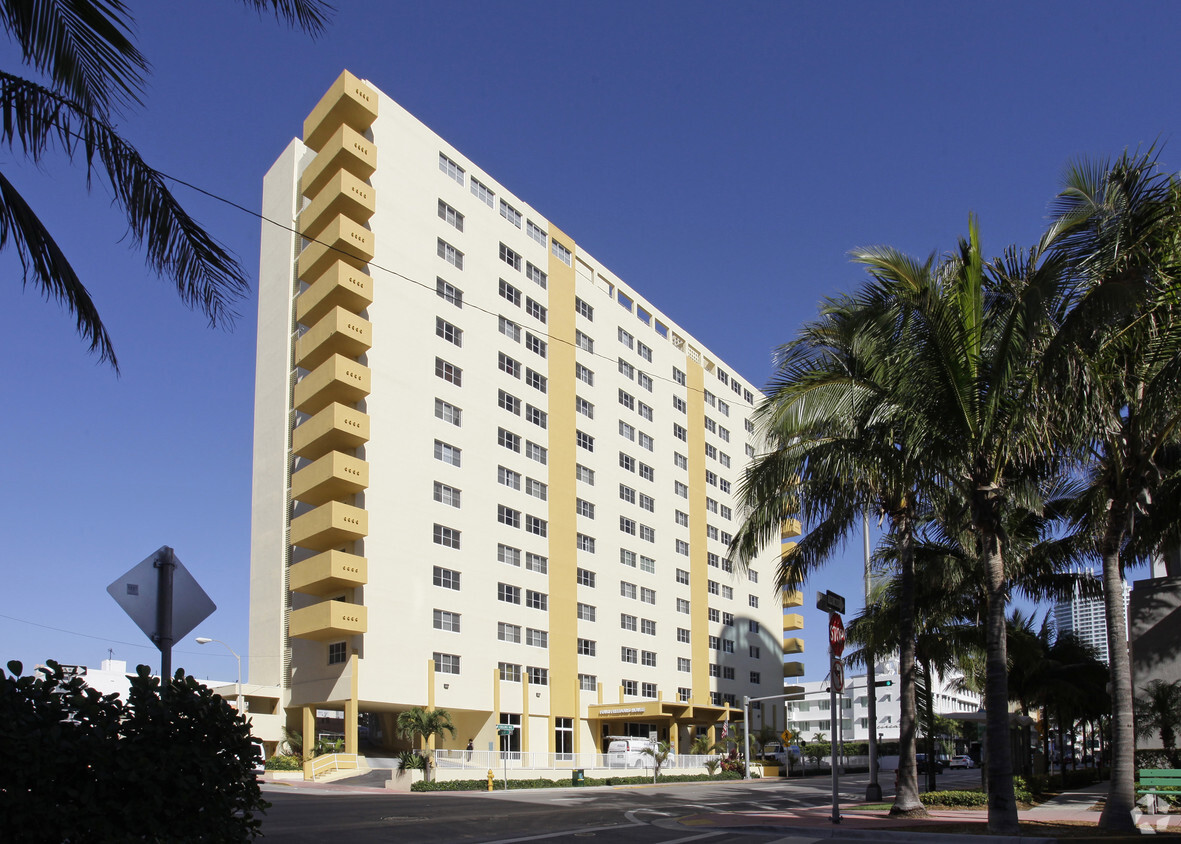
489 779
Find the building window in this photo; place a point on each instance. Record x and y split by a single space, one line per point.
727 619
584 440
626 461
627 400
630 655
682 576
509 213
535 380
535 452
448 495
646 442
536 562
536 232
711 478
449 292
509 402
586 577
584 342
627 525
449 253
644 380
536 600
451 333
586 612
508 516
448 412
682 606
627 590
648 596
536 638
724 485
626 369
508 554
755 678
627 558
723 434
648 690
482 191
627 431
683 635
644 410
510 293
647 626
723 408
681 461
446 536
647 472
535 309
588 682
507 477
648 658
451 168
584 508
679 377
510 257
562 253
508 366
727 591
536 488
510 329
535 275
449 372
338 652
444 620
630 687
584 375
683 548
755 652
583 309
508 439
679 404
645 351
586 647
627 493
446 663
510 673
538 676
584 407
536 415
684 694
536 526
754 601
534 344
582 473
647 534
446 578
508 593
680 432
714 615
682 518
626 338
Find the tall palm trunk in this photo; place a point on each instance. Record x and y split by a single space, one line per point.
1117 811
906 798
929 720
1002 802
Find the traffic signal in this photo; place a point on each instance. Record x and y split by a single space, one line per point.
883 683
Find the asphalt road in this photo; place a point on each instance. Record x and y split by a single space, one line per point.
631 814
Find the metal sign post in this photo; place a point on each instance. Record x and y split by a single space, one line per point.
835 604
504 731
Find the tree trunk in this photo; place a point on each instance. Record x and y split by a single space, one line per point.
930 722
1002 803
906 797
1121 798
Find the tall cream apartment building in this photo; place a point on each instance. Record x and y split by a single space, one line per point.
489 476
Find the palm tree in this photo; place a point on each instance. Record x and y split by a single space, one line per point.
424 724
830 422
1117 228
659 754
974 412
1159 711
85 51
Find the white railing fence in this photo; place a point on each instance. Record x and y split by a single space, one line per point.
497 760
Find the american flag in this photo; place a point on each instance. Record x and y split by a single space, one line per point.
726 729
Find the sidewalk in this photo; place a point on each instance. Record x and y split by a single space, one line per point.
1076 807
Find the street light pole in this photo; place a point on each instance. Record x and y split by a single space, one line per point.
205 640
873 791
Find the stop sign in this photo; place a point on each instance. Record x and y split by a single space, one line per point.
836 634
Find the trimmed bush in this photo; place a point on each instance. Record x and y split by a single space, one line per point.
284 763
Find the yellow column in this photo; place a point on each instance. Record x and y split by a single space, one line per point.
699 573
351 709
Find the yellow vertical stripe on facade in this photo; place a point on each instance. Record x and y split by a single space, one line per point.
698 552
563 558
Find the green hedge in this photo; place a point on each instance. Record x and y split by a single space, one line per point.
284 763
498 785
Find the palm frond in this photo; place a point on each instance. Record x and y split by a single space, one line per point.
309 15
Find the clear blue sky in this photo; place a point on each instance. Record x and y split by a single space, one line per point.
721 157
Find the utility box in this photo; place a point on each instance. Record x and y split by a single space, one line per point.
578 777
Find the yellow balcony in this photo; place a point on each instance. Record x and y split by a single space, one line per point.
791 597
793 621
337 379
789 528
339 332
343 194
334 476
329 526
341 286
328 620
341 240
349 102
793 646
347 150
328 573
793 669
335 428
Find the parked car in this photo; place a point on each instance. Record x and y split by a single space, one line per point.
961 762
623 752
921 761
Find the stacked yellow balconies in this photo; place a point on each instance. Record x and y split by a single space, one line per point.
336 290
792 598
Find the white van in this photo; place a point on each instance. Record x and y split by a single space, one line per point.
628 752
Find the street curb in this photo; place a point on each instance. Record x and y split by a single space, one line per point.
838 831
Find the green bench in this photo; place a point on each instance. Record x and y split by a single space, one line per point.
1160 781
